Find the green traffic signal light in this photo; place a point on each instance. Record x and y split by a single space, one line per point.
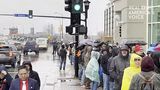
77 7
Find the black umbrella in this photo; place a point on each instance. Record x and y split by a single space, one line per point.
135 42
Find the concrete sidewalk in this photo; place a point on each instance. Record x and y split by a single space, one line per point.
66 80
54 79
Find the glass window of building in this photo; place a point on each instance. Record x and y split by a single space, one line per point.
156 2
149 2
149 15
156 32
156 14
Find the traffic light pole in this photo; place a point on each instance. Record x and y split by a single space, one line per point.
76 51
77 23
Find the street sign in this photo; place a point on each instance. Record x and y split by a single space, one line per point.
21 15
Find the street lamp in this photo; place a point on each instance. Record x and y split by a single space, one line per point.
86 4
61 25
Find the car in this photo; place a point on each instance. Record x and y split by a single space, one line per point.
42 43
2 42
31 46
9 55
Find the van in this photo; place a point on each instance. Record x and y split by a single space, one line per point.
42 43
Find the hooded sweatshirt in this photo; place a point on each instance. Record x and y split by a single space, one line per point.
129 72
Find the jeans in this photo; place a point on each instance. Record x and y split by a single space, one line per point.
63 62
105 82
94 85
83 76
111 85
80 71
71 58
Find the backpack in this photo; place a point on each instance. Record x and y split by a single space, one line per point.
147 84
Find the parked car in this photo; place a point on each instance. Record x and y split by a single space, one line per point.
9 55
31 46
2 42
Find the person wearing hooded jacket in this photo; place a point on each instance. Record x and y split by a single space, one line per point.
104 63
147 71
32 74
115 50
134 68
92 70
117 66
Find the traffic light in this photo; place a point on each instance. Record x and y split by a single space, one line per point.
69 5
30 15
75 19
82 30
77 6
69 29
120 31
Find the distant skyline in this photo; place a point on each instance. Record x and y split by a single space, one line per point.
47 7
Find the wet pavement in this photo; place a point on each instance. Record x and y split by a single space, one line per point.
51 77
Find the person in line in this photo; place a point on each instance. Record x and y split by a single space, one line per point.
148 73
63 55
139 50
87 58
118 64
32 74
5 78
92 70
24 82
129 72
111 79
104 63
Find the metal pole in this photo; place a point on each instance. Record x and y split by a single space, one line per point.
77 41
76 51
86 16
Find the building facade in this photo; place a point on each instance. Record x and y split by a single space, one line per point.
153 21
130 20
109 22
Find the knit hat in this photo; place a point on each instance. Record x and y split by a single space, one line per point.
147 64
138 48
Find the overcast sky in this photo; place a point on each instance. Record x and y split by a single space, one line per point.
46 7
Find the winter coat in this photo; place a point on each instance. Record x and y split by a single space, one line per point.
32 84
87 56
93 67
137 80
117 67
129 72
63 53
104 63
32 74
6 82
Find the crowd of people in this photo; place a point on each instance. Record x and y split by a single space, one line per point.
117 67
